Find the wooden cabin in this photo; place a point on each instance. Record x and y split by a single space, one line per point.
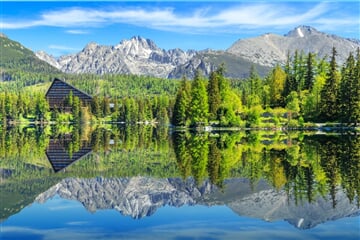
60 90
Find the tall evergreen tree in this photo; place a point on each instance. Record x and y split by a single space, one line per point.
328 107
310 73
276 81
255 81
182 104
95 106
106 106
345 91
214 96
355 92
255 87
290 84
199 106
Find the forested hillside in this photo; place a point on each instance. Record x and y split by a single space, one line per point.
18 62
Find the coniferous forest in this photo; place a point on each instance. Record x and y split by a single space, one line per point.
305 91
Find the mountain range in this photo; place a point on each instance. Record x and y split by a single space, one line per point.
143 57
139 197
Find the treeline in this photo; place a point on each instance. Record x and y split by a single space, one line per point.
305 89
110 85
25 106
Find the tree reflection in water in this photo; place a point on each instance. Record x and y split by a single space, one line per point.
305 165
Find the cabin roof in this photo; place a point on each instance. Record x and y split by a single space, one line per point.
68 85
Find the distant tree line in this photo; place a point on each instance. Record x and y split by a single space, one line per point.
305 89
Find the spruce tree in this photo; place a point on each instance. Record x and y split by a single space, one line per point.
214 94
355 92
182 102
276 82
310 73
199 107
345 89
290 84
328 107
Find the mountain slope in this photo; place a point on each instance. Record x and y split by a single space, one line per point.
135 56
15 56
142 57
271 49
207 61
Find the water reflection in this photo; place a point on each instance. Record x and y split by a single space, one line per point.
304 178
60 158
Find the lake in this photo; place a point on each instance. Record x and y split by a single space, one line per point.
145 182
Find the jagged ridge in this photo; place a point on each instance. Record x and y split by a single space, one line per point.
142 56
271 49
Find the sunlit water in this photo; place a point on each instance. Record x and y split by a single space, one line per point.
146 183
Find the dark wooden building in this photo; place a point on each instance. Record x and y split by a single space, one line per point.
60 90
60 158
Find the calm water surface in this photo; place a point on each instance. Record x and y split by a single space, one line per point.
142 182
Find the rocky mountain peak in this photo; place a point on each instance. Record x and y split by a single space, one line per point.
91 45
137 46
302 31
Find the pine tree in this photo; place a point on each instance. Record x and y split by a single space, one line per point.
289 80
199 107
255 87
355 92
76 109
276 81
345 91
95 107
106 106
214 96
255 81
310 73
328 107
182 101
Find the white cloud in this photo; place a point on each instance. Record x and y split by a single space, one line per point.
244 16
63 48
77 31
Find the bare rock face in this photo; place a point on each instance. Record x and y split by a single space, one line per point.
48 58
135 56
142 57
271 49
139 197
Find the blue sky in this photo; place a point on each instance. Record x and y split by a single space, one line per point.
66 27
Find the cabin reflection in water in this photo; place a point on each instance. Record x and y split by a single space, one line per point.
61 154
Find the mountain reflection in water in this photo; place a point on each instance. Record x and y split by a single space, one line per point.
303 178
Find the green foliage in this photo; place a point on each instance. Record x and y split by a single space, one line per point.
182 104
199 106
349 91
16 56
276 82
329 107
214 96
